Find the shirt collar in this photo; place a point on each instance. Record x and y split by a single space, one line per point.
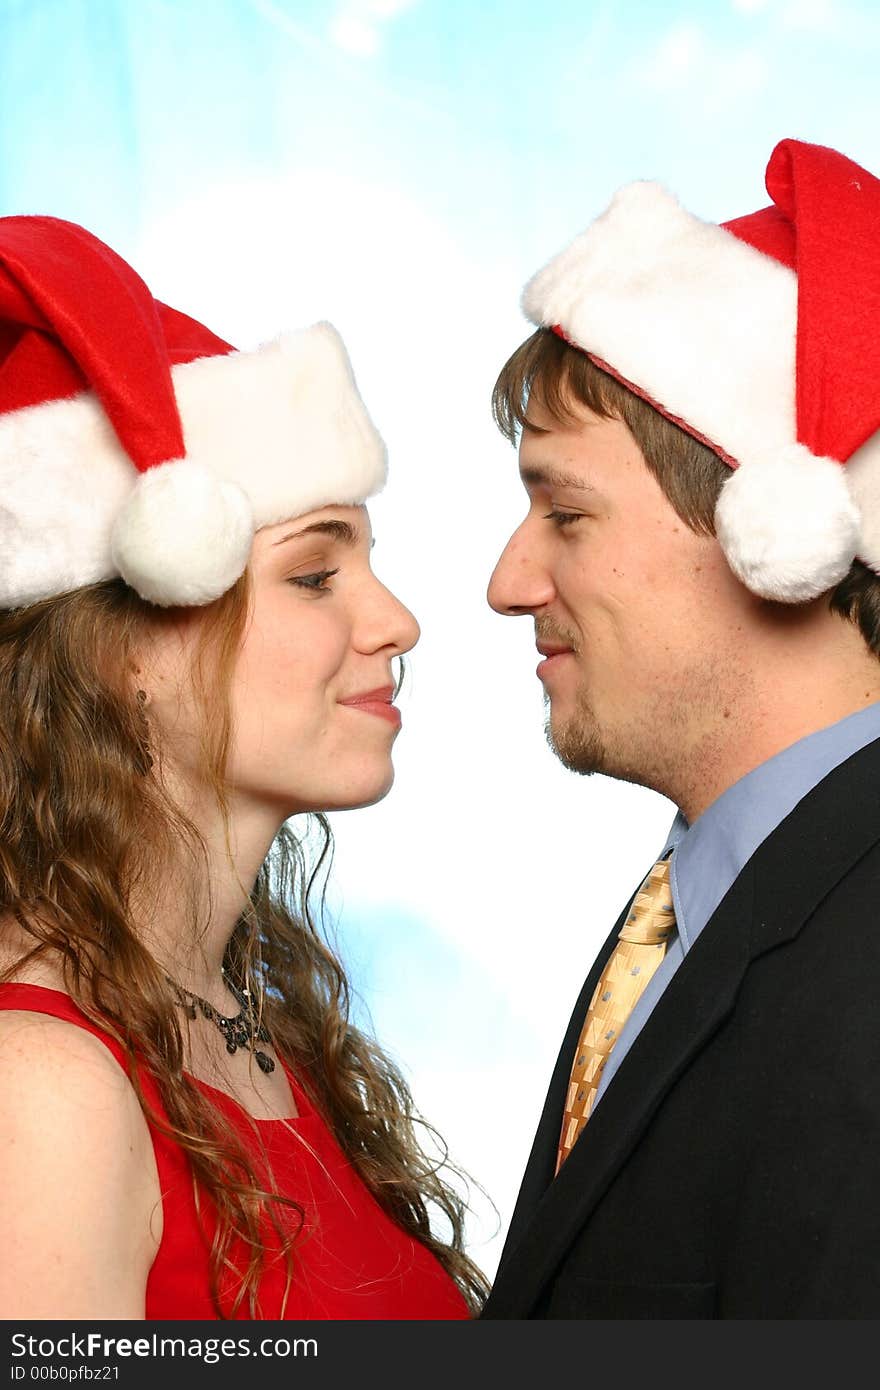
709 855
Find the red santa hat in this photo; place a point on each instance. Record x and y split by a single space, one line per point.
760 337
135 442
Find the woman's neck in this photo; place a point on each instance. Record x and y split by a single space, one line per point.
187 917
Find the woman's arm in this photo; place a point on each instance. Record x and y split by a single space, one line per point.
80 1204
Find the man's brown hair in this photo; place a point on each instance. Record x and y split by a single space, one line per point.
690 474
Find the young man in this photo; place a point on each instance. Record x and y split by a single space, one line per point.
700 558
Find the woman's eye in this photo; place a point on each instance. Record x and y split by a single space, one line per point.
563 518
316 582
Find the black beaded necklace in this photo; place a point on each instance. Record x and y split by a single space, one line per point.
241 1030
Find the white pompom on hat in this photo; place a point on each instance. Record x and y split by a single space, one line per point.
136 443
161 554
760 337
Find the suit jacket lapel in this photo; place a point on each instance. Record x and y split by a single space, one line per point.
791 871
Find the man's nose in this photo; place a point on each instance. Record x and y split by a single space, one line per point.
519 582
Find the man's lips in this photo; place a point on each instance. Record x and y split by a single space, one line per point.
552 648
554 655
376 702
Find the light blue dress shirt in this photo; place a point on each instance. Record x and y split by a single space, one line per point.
708 855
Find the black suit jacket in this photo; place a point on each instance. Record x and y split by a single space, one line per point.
732 1168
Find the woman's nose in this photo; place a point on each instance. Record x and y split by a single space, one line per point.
390 624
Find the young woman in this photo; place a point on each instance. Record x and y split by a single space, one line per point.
193 649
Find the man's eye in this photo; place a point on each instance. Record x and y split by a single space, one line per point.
563 518
317 582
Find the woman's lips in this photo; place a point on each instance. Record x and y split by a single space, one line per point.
377 702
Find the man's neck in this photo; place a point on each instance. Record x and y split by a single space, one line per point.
780 714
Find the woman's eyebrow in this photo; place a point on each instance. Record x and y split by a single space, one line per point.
338 530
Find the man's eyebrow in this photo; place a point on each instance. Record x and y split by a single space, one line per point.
535 476
337 530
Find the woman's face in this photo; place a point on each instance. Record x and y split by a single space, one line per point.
313 723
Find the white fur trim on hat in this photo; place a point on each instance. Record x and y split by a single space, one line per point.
702 323
788 525
285 424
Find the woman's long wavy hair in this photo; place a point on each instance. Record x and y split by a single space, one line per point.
88 827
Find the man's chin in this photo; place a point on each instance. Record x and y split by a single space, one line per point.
576 743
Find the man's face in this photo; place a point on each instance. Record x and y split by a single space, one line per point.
639 619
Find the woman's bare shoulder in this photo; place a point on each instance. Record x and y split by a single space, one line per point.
43 1054
80 1205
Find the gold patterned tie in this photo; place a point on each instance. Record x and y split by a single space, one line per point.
641 946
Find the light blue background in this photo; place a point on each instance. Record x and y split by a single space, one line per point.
401 167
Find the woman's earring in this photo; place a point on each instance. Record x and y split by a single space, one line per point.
141 696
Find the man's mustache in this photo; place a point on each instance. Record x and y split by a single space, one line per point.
548 631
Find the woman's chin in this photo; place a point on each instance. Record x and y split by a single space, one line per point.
364 791
365 795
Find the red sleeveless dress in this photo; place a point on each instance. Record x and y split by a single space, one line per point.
352 1262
